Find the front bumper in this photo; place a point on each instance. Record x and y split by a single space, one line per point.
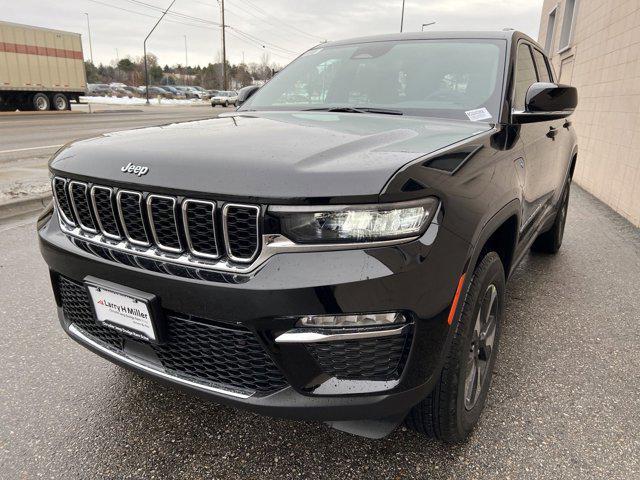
419 278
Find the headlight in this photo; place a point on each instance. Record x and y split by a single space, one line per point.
357 223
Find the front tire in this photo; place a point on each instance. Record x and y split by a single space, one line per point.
40 102
452 409
551 240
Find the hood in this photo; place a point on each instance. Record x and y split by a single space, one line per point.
284 155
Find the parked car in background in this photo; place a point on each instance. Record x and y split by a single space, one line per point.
117 85
187 91
213 93
121 92
172 90
225 98
155 92
203 94
132 90
99 90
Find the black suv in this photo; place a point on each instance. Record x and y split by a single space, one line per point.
337 248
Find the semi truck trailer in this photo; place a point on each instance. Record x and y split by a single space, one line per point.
40 69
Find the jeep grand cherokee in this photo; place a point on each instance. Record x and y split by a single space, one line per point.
337 248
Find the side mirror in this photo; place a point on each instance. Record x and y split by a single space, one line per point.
245 93
547 101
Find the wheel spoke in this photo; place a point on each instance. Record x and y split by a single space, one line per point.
479 379
470 383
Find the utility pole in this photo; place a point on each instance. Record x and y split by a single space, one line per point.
144 45
402 18
224 49
90 46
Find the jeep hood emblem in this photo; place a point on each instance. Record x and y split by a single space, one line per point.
135 169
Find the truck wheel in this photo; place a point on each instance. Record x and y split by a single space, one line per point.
40 102
61 102
551 241
453 408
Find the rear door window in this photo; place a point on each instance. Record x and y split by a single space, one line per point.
541 64
525 76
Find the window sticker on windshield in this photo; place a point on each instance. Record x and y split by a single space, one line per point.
478 114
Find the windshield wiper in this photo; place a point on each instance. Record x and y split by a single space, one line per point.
348 109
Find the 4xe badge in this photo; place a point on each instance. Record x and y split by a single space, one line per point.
138 170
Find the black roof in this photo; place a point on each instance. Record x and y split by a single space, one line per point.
506 34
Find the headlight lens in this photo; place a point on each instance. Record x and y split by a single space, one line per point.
358 223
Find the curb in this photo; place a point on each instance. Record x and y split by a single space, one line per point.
23 206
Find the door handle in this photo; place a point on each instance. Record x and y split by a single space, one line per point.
553 131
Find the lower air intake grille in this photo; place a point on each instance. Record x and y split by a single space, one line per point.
220 355
241 231
77 309
371 359
205 353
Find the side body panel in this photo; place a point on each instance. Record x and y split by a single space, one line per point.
39 59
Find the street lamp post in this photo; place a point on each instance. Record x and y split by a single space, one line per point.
144 46
186 58
402 18
89 30
186 61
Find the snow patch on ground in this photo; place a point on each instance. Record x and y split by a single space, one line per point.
140 101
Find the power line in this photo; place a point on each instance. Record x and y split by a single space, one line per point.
173 14
286 25
276 22
193 18
286 57
146 14
261 19
207 24
265 43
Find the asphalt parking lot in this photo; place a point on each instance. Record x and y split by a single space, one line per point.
565 400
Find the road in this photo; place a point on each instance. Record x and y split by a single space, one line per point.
564 402
28 135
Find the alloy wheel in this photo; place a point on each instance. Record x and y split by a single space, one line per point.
481 349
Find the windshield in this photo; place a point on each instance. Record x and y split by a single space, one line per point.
459 78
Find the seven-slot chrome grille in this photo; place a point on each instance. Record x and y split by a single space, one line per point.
160 224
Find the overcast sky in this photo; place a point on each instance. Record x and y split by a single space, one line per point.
283 28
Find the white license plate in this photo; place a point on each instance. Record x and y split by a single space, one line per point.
122 312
